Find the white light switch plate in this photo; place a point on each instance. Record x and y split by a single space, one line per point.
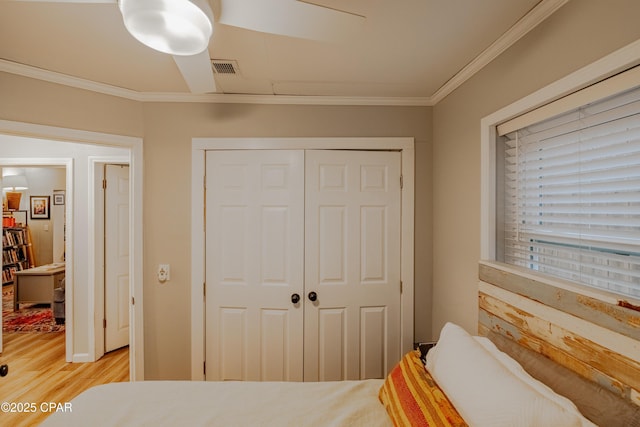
164 272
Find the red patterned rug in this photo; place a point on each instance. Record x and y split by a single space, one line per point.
30 317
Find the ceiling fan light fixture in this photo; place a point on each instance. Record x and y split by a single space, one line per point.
176 27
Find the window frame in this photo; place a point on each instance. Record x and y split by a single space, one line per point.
610 65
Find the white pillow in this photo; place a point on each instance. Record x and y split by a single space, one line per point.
516 369
484 391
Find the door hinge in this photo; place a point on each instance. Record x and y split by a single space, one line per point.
401 286
204 211
104 184
104 323
204 290
401 182
133 301
204 368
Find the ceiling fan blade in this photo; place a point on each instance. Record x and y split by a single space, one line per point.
197 72
290 18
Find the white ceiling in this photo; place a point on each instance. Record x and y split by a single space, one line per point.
406 51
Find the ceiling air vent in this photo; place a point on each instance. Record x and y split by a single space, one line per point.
223 66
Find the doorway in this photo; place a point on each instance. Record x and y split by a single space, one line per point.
33 250
18 141
37 207
111 194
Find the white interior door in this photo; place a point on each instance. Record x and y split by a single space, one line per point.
254 264
352 264
116 284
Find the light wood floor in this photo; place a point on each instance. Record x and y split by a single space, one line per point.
39 374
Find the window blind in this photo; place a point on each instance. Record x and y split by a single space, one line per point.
572 195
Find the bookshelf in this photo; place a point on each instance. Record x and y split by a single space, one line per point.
16 248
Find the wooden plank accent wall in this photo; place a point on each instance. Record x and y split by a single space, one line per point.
599 340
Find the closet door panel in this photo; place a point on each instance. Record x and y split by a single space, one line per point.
332 330
254 264
332 245
352 263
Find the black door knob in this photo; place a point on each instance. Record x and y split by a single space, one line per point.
295 298
313 296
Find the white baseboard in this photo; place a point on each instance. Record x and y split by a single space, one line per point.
81 358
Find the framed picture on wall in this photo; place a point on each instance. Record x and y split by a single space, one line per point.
58 197
40 207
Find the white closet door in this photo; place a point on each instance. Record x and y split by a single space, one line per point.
254 264
352 263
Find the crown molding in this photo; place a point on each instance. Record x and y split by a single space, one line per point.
67 80
535 16
219 98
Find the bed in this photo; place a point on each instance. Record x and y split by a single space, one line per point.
463 380
229 404
546 357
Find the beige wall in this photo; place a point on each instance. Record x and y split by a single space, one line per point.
33 101
167 144
576 35
167 130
